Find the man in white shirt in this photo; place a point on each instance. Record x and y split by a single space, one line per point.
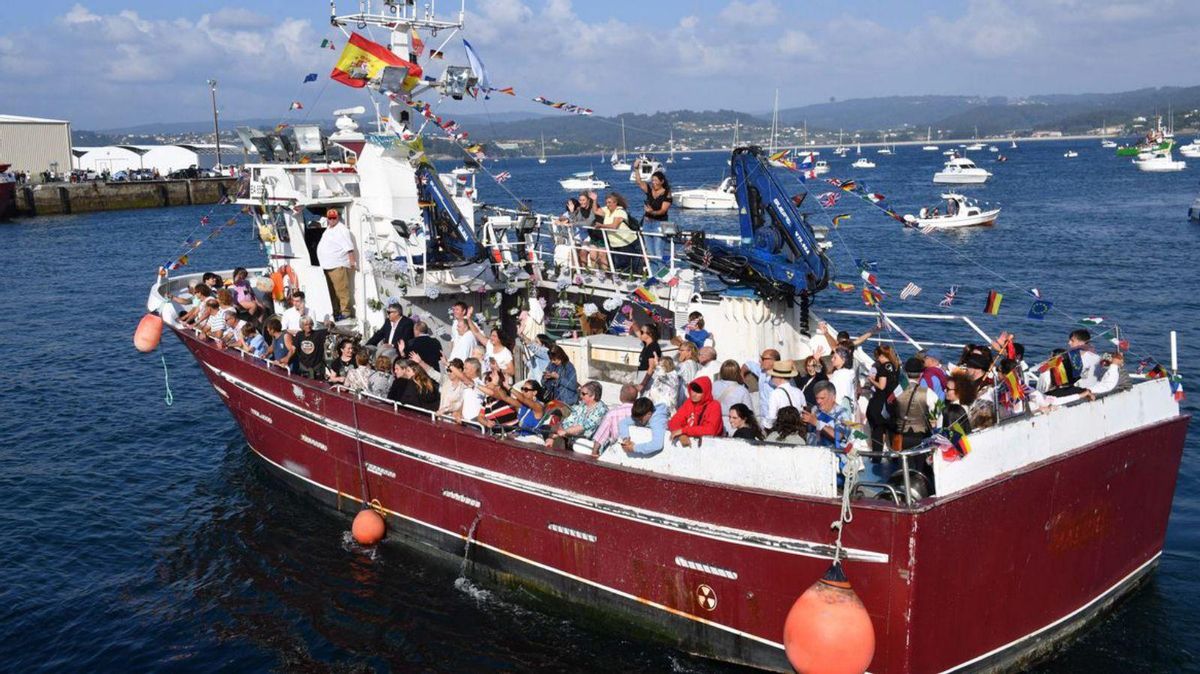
785 394
472 397
709 365
1080 341
463 342
336 255
292 315
759 369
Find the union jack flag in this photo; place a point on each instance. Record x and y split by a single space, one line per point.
950 297
502 176
829 199
834 181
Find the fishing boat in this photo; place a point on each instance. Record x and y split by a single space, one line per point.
863 163
721 197
621 163
961 171
542 156
956 211
705 546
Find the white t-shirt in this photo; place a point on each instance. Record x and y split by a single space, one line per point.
335 247
291 318
1088 378
843 383
462 345
711 370
472 403
502 356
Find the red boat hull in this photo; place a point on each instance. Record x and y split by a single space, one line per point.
984 580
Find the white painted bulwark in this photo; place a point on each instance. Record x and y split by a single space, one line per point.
791 469
1015 445
34 144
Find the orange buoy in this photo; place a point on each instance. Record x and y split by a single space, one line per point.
828 630
148 333
368 527
277 286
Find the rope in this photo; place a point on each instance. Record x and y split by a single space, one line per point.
169 399
850 468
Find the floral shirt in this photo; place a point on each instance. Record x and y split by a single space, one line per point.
588 417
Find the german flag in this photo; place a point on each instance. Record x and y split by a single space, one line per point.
1058 371
362 61
993 303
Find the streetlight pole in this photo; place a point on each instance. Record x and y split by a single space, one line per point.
212 84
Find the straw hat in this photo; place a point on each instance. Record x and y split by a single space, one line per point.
785 369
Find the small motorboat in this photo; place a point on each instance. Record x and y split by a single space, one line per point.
863 163
993 148
820 168
1106 143
930 148
951 153
961 171
1001 158
1192 149
723 197
1159 162
975 147
585 180
1070 154
954 212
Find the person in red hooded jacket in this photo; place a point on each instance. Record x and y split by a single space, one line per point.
699 415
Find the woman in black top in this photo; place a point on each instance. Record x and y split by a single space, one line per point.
650 355
883 382
656 210
342 363
810 375
744 423
420 391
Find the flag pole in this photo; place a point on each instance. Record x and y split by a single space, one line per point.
212 84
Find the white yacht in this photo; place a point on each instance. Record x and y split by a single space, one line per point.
723 197
961 171
863 163
1106 143
956 211
646 167
820 168
585 180
1192 149
1160 161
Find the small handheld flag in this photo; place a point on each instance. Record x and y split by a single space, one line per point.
844 287
910 290
502 176
296 105
992 306
328 44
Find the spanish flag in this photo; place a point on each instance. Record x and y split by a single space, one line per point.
1015 391
362 61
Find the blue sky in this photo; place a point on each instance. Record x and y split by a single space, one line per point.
114 63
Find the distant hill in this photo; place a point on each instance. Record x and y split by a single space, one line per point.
959 115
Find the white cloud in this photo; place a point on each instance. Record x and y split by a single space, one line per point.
79 15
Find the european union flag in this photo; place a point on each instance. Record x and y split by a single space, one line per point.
1039 309
311 77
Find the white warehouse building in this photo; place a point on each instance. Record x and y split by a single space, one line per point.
163 158
34 144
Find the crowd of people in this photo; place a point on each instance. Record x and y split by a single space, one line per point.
607 232
837 394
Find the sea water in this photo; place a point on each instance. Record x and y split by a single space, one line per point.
138 536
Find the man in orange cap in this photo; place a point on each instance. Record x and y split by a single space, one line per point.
336 255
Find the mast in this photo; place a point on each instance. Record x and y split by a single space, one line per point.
624 151
775 121
543 155
737 122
